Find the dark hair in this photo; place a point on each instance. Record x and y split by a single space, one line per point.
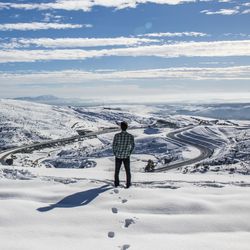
124 126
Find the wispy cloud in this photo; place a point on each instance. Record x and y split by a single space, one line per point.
247 11
225 12
87 5
49 17
238 8
175 34
182 49
225 1
80 76
75 42
41 26
236 35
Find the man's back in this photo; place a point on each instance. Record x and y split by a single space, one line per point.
123 145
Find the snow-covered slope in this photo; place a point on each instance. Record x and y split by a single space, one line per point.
24 122
230 146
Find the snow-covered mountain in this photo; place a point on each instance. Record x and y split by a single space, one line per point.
23 122
226 111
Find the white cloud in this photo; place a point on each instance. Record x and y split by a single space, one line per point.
81 76
182 49
246 4
237 35
76 42
87 5
175 34
225 12
48 17
41 26
247 11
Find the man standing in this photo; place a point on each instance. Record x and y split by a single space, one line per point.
123 145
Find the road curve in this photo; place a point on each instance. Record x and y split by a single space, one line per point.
205 152
4 154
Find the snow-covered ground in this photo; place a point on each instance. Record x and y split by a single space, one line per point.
79 209
63 197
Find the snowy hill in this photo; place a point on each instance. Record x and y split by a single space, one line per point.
23 122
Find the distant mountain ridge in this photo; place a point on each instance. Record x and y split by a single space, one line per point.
38 98
53 100
224 111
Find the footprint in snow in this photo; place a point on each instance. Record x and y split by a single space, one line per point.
128 222
124 200
125 247
111 234
116 191
114 210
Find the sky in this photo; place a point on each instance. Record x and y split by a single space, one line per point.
126 50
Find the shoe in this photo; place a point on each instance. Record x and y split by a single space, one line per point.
127 186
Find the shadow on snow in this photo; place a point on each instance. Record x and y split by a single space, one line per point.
77 199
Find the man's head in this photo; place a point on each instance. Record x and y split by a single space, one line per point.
124 126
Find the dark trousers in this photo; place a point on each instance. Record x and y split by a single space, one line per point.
118 164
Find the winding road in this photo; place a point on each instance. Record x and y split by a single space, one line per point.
205 150
4 154
204 145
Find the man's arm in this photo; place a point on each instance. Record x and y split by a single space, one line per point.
132 144
114 145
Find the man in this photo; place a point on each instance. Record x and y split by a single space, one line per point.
123 146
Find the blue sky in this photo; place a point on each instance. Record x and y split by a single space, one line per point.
126 50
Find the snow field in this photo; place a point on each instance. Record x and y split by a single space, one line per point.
92 214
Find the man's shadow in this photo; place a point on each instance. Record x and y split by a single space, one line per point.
77 199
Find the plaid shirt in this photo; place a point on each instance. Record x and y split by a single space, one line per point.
123 145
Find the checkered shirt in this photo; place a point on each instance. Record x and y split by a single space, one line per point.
123 145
